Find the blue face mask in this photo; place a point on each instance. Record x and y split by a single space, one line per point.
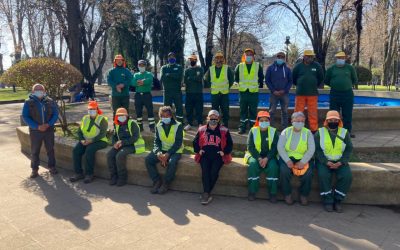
340 62
92 112
122 118
280 61
166 120
172 60
38 93
249 59
298 125
264 124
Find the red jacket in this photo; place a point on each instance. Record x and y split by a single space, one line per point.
227 158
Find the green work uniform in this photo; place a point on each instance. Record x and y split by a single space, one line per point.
171 78
249 77
193 80
220 99
144 98
261 144
116 76
341 81
307 78
334 146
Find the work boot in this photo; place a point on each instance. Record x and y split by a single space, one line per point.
113 180
251 197
187 127
328 207
272 198
156 186
34 174
338 207
352 135
206 198
289 199
53 170
164 188
121 182
76 178
88 179
303 200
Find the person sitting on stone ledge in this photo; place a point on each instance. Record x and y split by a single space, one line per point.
296 147
168 148
92 137
126 140
213 146
261 156
332 153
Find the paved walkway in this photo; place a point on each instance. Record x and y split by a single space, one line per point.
51 213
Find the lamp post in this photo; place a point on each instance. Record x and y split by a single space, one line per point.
287 42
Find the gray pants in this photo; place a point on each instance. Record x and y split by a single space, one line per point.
283 100
151 165
37 137
116 159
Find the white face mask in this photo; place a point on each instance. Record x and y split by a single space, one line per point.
142 69
38 93
298 125
121 118
92 112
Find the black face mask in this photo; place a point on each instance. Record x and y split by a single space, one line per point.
193 63
333 125
213 122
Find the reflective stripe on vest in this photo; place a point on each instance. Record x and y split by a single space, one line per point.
140 146
248 80
168 141
301 147
256 132
221 84
94 130
332 153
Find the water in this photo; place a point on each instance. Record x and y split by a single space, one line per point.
323 100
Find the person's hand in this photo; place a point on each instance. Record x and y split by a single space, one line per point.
264 162
166 156
83 142
118 144
160 156
260 161
221 153
42 128
338 164
276 93
201 152
330 164
281 92
300 165
140 82
290 164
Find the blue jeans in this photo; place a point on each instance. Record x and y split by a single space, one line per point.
283 100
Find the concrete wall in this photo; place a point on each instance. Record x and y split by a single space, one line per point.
376 184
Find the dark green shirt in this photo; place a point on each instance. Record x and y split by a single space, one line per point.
308 78
147 84
265 151
171 77
248 66
193 79
341 78
319 153
119 75
207 77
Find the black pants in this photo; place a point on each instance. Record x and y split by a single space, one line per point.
116 159
343 101
118 102
194 102
144 100
37 138
220 102
210 171
90 153
174 97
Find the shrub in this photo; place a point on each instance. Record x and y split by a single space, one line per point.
364 75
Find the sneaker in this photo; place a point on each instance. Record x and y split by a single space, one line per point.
113 181
272 198
163 189
328 207
251 197
303 200
187 127
88 179
156 186
53 170
76 178
352 135
289 199
34 174
206 198
338 207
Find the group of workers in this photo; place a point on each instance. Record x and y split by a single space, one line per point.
296 151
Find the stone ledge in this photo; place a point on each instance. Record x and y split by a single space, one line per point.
373 184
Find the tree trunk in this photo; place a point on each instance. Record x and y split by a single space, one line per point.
212 12
225 25
74 33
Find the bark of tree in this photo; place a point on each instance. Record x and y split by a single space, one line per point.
74 41
212 12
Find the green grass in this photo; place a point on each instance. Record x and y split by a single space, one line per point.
7 94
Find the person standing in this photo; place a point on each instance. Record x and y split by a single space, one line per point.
341 77
168 148
278 78
126 140
261 156
213 147
333 151
249 74
171 78
143 82
220 78
40 114
193 80
92 135
308 76
119 79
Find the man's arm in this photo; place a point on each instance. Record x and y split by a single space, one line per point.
207 79
229 144
348 150
157 146
260 76
54 117
237 73
354 77
134 137
231 77
268 79
290 80
272 153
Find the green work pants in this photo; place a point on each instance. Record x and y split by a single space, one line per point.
271 172
330 194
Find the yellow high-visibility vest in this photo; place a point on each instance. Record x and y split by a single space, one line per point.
248 80
302 145
168 141
332 153
94 130
256 132
139 144
219 84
